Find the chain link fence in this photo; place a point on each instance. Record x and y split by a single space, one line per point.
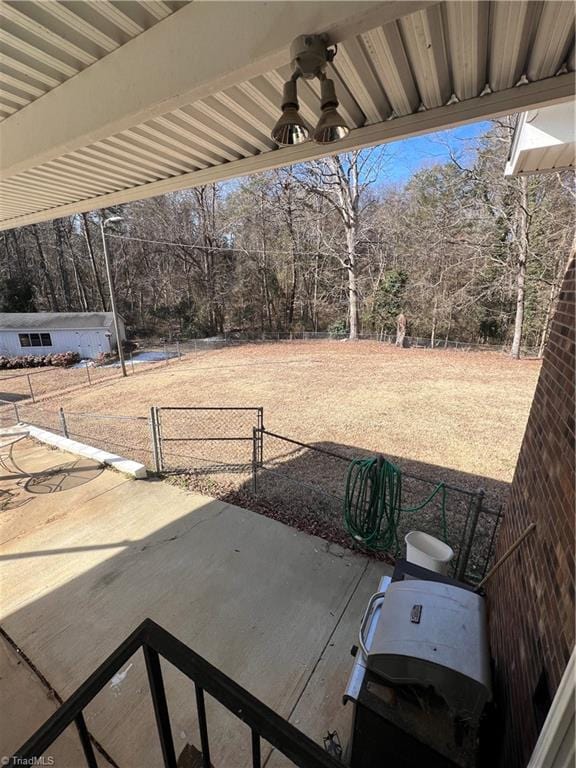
227 452
422 342
40 383
207 440
305 485
128 436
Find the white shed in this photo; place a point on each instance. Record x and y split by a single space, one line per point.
40 333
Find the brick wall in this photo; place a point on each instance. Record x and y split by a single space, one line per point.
531 599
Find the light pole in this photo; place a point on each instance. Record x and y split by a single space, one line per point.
103 225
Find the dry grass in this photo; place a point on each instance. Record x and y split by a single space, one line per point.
462 411
445 416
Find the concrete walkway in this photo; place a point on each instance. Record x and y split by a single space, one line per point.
86 554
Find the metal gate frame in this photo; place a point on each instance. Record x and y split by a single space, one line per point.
159 439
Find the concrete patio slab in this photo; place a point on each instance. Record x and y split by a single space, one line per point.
274 608
22 692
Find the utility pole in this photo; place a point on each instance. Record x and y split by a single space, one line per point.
103 225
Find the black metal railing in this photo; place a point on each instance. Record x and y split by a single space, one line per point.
156 642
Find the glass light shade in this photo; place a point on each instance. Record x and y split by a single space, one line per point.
290 128
331 127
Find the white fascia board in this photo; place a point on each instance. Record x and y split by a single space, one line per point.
555 745
200 49
553 90
538 131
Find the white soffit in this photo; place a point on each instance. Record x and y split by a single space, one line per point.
105 102
544 140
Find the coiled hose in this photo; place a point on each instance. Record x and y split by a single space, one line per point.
373 503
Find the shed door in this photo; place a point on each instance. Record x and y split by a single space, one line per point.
92 343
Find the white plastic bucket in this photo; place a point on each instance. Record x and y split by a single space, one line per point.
428 552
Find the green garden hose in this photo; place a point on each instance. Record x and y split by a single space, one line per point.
373 503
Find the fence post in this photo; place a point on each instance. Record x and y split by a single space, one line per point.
465 556
30 386
63 422
159 438
254 460
132 361
154 437
88 373
178 349
16 414
261 438
166 352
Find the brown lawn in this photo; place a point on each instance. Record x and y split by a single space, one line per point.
464 411
455 417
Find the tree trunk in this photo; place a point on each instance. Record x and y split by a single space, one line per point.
352 285
45 272
434 317
400 329
522 243
58 228
97 280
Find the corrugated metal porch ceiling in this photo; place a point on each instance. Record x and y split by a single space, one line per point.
449 52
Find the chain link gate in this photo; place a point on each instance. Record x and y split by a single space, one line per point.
207 440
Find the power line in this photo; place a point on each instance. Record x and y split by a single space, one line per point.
227 250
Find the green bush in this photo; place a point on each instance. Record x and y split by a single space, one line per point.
338 329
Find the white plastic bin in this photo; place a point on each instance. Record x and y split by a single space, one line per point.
423 549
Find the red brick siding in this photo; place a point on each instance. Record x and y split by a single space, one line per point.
531 599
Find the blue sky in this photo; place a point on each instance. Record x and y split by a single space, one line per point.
406 157
410 155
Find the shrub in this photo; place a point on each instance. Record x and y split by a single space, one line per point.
338 329
63 359
105 357
58 359
129 346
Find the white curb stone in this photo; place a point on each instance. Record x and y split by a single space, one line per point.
126 466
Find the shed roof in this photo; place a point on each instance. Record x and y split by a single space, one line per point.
24 321
160 96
